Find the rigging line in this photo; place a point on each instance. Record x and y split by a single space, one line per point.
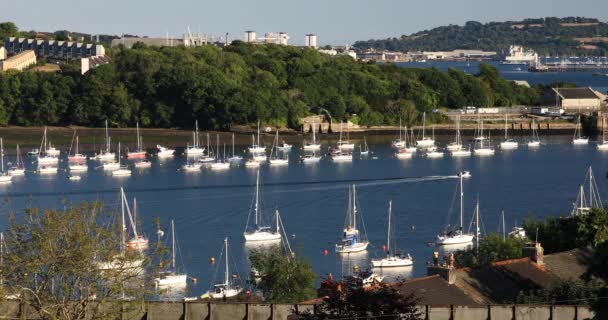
359 182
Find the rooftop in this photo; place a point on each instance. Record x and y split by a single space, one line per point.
435 290
576 93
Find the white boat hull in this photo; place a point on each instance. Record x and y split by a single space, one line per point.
534 144
391 262
454 147
508 145
580 141
260 157
78 167
461 153
194 151
47 170
357 247
278 162
262 236
346 146
220 166
229 293
192 167
484 152
166 153
174 280
106 156
111 166
143 164
456 239
16 172
312 147
603 146
121 173
342 158
434 154
252 164
425 143
254 150
48 160
404 154
312 159
399 144
5 179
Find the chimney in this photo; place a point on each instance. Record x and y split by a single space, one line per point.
534 251
447 270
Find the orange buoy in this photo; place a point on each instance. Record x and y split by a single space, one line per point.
325 252
383 247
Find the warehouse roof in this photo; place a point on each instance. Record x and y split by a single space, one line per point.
576 93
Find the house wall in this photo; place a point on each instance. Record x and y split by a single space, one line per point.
19 61
580 104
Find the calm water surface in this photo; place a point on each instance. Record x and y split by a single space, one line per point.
208 206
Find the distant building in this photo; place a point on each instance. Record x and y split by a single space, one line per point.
573 99
19 61
89 63
310 40
187 40
53 49
458 54
3 54
250 37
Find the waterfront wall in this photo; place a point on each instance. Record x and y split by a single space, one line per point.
249 311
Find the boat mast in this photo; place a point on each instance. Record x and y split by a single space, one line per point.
1 257
400 130
503 226
226 282
74 153
505 127
258 133
173 243
107 137
423 124
137 133
233 144
461 202
354 208
388 233
124 227
257 199
276 218
196 142
477 226
2 154
340 142
314 139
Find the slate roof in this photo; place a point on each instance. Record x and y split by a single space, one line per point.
576 93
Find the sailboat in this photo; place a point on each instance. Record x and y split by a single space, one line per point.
171 278
259 231
585 202
410 145
139 152
312 146
52 151
77 161
220 164
578 138
211 156
508 143
192 166
226 289
77 156
19 168
426 141
345 144
481 148
138 241
364 150
283 146
194 149
456 148
106 154
4 176
604 145
122 171
275 160
392 259
43 156
408 149
352 239
311 158
164 152
432 151
342 156
235 157
256 148
457 236
535 141
399 143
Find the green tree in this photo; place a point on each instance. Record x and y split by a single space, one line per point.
283 277
492 248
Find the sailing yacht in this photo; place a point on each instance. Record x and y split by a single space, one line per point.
19 168
399 143
604 145
256 148
426 141
457 236
457 144
164 152
342 156
44 157
77 162
410 146
122 171
235 157
433 152
4 176
106 154
211 156
275 160
192 166
345 144
408 149
535 141
194 149
312 146
508 143
220 164
251 163
52 151
283 146
364 150
171 278
392 259
481 148
311 158
139 152
352 239
259 231
585 202
227 289
578 138
77 155
138 241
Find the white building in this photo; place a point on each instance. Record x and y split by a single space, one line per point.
310 40
250 37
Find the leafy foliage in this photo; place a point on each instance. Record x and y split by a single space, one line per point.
492 248
566 292
283 277
555 36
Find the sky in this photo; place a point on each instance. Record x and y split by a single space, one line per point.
336 22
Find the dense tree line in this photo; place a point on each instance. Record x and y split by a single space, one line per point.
545 35
171 87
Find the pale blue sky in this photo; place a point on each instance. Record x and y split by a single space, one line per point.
334 21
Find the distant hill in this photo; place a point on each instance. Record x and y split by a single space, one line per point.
553 36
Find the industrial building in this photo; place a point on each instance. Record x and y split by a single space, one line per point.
52 49
19 61
280 38
310 40
574 99
187 40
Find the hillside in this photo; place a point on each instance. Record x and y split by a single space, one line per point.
553 36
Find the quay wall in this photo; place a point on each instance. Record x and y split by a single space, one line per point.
251 311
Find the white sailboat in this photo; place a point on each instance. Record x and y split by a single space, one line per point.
77 156
392 259
122 171
345 144
256 148
44 158
312 146
220 164
138 241
604 145
578 137
19 168
171 278
410 142
274 153
364 150
508 143
164 152
139 151
251 163
482 144
456 145
352 239
457 236
211 156
433 152
194 149
192 166
426 141
235 158
4 176
342 156
106 154
52 151
535 141
399 143
408 149
585 201
226 289
259 231
311 158
283 146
